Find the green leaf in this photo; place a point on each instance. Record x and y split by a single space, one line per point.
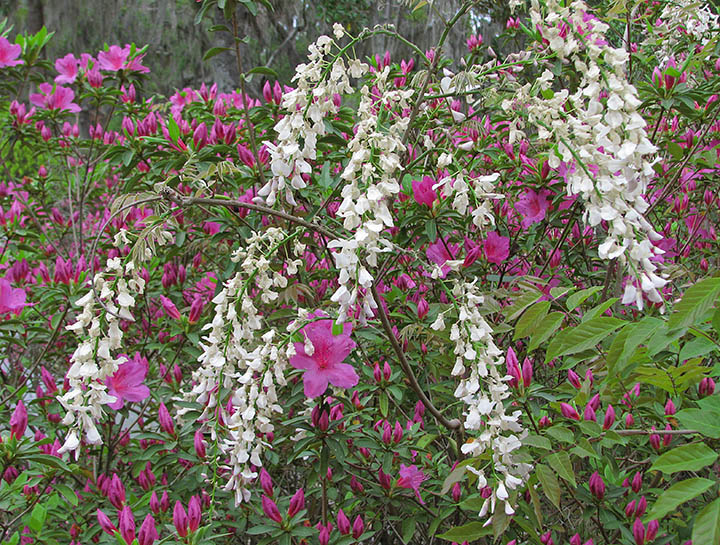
582 337
577 298
690 457
37 518
675 150
173 130
548 326
214 51
383 404
456 475
549 483
531 319
408 529
527 298
716 321
67 492
706 422
265 71
466 532
676 495
696 301
537 441
560 462
707 524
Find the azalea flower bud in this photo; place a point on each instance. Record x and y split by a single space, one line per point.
544 422
127 524
105 523
575 540
387 433
177 373
165 501
267 92
148 533
669 408
655 440
422 308
629 420
200 136
355 399
609 418
630 509
343 523
196 310
527 372
707 387
116 492
589 414
397 432
356 486
324 535
266 482
386 371
656 78
652 530
384 479
568 411
636 483
595 402
323 421
638 531
456 492
154 503
297 503
573 378
180 520
667 438
329 474
194 513
546 538
18 420
358 527
597 486
169 307
377 373
641 507
165 420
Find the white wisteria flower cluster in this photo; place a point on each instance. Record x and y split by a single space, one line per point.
483 388
600 139
305 107
371 184
689 17
242 363
96 358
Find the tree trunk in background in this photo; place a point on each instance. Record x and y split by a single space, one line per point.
278 39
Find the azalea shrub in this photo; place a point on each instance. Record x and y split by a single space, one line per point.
414 300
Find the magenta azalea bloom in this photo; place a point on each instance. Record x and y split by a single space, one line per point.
438 253
424 192
58 99
113 59
411 477
9 53
126 384
11 299
533 207
325 365
497 247
67 67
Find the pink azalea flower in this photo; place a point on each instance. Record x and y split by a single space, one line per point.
59 98
9 53
411 477
67 67
325 364
497 247
126 384
423 191
113 59
11 299
533 207
438 253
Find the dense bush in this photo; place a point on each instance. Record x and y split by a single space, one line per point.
403 300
